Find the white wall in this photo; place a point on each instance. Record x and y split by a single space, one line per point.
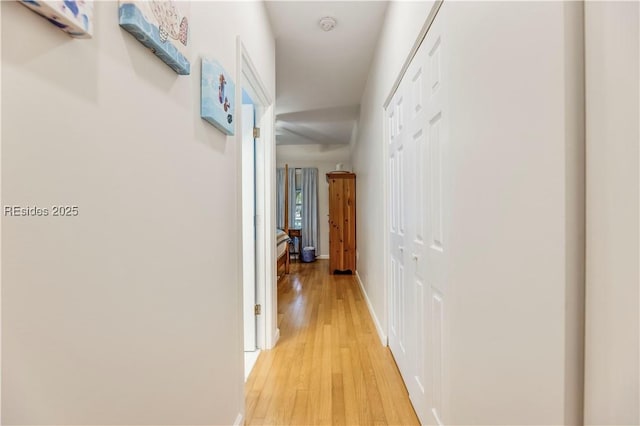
403 23
517 212
130 312
612 395
324 158
516 248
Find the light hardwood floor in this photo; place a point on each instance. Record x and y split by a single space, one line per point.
329 366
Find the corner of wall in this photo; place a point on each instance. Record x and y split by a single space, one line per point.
575 205
354 140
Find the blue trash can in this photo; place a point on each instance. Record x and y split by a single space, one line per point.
309 254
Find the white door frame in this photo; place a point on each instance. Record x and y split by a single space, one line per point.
266 292
248 224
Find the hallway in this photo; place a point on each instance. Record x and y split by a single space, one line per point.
476 164
328 366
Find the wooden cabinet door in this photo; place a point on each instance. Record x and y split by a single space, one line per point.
342 237
349 225
335 223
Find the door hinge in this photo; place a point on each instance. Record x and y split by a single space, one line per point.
258 309
256 132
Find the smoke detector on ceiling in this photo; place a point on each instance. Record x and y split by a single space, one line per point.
328 23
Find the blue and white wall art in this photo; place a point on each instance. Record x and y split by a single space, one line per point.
162 26
74 17
217 103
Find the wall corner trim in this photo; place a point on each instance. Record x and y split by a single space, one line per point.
323 257
374 317
239 420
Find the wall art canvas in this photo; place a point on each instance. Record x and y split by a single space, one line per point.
74 17
217 103
162 26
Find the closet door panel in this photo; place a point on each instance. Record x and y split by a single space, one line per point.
416 122
402 298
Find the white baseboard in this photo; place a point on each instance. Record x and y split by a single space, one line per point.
239 420
250 359
323 257
276 337
374 317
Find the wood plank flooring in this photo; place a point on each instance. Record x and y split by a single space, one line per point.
329 366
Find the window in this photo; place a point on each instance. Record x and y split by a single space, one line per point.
297 218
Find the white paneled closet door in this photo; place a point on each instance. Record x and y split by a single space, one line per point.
438 212
398 177
419 188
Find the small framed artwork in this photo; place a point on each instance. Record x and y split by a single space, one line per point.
217 102
162 26
74 17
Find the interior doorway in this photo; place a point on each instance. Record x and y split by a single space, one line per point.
249 257
255 184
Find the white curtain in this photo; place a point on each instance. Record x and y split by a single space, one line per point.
280 198
292 196
310 208
310 236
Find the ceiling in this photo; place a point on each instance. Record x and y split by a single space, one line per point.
320 76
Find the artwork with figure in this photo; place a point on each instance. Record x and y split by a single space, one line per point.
162 26
75 17
217 97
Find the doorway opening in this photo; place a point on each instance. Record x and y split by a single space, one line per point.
250 302
256 158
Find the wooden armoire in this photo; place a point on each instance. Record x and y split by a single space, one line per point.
342 222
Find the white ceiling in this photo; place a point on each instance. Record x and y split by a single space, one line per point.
320 76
